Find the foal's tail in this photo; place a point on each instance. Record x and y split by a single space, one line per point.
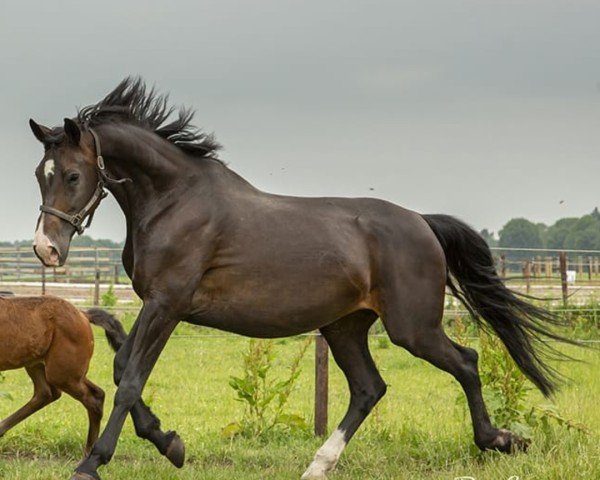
115 333
521 326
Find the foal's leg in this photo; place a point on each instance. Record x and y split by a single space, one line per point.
43 394
92 398
145 422
154 328
348 341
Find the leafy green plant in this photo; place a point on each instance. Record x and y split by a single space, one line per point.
265 398
506 390
109 298
505 387
583 320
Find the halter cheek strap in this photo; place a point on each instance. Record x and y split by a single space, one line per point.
100 193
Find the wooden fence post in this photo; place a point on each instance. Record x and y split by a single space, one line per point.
116 280
43 280
503 266
537 267
97 288
563 276
548 267
527 275
580 266
590 268
18 263
321 384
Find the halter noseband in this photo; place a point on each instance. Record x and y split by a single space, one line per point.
100 193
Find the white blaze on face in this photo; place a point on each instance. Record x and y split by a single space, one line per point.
326 457
48 168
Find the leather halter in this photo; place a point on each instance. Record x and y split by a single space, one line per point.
100 193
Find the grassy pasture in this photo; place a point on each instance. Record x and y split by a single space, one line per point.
418 431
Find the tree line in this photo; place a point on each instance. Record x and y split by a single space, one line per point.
572 233
78 241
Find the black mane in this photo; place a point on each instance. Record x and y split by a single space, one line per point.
131 102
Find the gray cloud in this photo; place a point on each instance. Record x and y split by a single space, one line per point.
486 110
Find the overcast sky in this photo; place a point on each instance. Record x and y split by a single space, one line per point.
483 110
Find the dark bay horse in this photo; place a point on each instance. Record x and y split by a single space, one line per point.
206 247
53 341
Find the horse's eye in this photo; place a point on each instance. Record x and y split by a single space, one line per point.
72 178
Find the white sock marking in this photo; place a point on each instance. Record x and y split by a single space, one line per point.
326 457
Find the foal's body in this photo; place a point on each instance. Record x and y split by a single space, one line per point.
54 342
205 246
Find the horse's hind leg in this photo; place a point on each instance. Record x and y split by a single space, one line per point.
427 340
43 394
348 340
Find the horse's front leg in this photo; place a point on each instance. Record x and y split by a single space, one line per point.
146 423
154 327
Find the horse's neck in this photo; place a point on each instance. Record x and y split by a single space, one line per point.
156 169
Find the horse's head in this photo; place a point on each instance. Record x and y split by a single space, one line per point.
69 184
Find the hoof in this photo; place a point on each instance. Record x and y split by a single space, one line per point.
84 476
508 442
314 476
316 472
176 451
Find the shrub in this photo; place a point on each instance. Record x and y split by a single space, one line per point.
265 398
505 387
109 298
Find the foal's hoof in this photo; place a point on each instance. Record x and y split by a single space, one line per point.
176 451
508 442
84 476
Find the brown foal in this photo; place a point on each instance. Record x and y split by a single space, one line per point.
53 341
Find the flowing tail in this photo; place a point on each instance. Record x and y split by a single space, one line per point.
521 326
115 333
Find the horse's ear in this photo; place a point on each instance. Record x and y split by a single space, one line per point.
39 131
72 131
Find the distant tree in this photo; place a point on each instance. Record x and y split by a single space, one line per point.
489 237
78 241
543 231
520 233
557 233
585 233
87 241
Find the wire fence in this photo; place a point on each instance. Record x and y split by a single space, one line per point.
573 274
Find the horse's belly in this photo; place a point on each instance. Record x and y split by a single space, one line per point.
263 307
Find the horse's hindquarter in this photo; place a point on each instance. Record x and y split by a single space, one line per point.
25 333
289 265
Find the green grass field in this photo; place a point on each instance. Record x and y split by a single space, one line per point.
418 431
